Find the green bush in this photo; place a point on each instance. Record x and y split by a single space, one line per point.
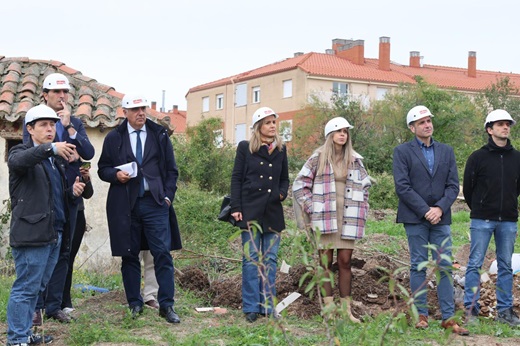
382 192
203 159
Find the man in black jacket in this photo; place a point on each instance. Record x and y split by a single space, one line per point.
139 203
39 217
491 188
55 94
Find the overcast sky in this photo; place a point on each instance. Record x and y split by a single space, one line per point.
155 45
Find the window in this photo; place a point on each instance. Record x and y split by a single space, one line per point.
218 140
286 130
220 101
381 92
256 94
340 88
287 88
205 104
240 133
240 95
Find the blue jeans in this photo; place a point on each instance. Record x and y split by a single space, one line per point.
151 221
34 267
51 298
419 236
505 236
259 271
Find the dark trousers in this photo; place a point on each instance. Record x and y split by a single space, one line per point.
81 225
150 221
50 299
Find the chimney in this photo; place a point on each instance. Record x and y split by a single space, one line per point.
415 59
154 105
472 64
350 50
384 53
175 109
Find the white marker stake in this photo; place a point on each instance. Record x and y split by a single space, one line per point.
287 301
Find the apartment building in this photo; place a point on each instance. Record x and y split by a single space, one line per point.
286 86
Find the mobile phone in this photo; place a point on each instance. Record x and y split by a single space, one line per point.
85 165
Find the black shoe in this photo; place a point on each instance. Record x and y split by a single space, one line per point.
251 316
37 339
136 311
60 316
508 316
169 315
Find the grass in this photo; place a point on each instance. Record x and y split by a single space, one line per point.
107 321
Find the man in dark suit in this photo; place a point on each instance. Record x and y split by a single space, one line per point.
427 184
69 130
139 207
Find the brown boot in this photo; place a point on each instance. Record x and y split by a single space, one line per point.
423 322
345 303
447 324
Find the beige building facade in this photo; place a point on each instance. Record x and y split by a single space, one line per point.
287 86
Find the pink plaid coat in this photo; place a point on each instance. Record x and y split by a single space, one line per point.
317 196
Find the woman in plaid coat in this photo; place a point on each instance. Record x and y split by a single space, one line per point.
332 189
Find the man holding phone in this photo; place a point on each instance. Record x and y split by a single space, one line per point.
69 129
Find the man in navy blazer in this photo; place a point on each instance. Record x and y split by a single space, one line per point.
427 184
69 130
139 206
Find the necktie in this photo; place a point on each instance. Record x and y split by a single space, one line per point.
139 158
59 130
139 147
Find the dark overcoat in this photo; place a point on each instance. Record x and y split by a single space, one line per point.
257 182
159 169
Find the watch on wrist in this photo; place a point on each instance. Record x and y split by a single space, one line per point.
69 126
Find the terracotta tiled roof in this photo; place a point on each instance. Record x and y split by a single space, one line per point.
328 65
96 104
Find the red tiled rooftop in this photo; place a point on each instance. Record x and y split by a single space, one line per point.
328 65
96 104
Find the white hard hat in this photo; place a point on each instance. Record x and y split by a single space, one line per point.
336 124
40 112
261 113
56 81
416 113
498 114
134 101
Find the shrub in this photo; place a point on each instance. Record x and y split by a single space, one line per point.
382 192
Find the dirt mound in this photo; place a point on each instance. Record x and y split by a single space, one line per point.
370 284
368 287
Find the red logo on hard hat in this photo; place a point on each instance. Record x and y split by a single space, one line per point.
137 101
60 82
268 111
423 111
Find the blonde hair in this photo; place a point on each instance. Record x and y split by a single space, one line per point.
329 156
256 138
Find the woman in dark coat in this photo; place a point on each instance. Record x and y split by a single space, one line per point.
259 184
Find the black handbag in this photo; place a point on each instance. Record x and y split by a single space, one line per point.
225 211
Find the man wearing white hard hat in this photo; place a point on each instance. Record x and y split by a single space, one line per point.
427 184
39 217
491 188
55 93
139 206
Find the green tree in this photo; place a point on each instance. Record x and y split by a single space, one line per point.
503 94
204 158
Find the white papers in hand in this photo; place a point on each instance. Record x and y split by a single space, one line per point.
130 168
